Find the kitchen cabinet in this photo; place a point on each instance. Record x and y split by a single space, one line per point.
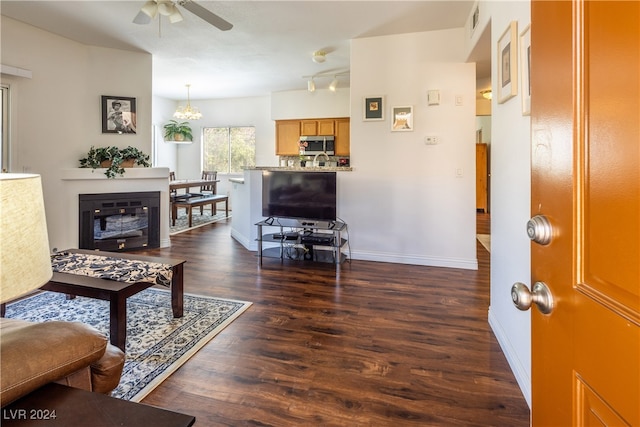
317 127
343 138
287 137
288 133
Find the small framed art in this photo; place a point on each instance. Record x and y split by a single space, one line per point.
373 108
118 114
525 70
508 63
402 119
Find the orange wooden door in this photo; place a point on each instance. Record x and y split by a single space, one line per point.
586 180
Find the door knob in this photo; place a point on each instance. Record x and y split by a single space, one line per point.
539 229
540 295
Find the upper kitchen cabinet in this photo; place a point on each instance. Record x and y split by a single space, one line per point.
343 138
287 137
288 133
317 127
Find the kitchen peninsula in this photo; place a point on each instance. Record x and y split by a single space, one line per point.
247 200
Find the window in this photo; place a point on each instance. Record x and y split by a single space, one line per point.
228 149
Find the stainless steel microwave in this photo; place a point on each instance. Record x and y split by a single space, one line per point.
318 144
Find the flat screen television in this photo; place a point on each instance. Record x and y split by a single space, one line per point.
301 195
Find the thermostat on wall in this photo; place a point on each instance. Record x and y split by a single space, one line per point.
433 97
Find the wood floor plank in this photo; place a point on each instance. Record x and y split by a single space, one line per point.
376 344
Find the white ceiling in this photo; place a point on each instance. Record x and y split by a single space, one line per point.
268 50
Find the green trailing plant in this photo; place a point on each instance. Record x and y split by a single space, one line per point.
112 158
177 131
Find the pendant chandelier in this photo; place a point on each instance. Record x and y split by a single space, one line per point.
188 112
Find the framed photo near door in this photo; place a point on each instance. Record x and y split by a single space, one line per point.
118 114
508 63
402 119
373 108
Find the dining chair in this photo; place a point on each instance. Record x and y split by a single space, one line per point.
175 196
209 189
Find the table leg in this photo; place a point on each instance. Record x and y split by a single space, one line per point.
118 323
177 291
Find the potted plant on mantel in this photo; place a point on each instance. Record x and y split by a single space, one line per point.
114 159
177 131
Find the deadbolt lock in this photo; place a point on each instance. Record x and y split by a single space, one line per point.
539 230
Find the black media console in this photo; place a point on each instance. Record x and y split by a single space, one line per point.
303 240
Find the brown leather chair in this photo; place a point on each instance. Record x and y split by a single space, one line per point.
71 353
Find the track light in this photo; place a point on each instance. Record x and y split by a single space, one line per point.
333 85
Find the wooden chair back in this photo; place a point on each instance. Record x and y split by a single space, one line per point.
210 176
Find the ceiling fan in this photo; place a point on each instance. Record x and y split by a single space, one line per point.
169 9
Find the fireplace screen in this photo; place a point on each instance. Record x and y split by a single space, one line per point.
119 221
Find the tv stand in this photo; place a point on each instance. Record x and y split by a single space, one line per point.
302 240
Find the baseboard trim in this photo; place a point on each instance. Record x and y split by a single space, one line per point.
519 371
467 264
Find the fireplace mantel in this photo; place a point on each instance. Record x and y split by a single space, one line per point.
130 173
76 181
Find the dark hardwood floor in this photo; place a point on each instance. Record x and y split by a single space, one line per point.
375 345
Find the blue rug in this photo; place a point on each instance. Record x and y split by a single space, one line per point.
157 344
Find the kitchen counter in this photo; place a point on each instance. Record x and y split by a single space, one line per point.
305 169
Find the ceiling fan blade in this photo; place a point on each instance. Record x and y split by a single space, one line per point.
205 14
141 18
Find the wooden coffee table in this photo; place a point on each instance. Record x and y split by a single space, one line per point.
57 405
117 292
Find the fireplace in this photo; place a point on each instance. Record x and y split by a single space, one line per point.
119 221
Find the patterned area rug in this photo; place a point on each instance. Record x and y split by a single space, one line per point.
182 222
157 344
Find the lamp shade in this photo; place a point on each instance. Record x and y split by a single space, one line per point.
25 262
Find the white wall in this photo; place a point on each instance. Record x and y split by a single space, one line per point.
57 113
302 104
165 154
510 200
404 201
250 111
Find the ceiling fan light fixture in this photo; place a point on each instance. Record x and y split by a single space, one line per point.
176 16
188 112
150 9
319 56
166 8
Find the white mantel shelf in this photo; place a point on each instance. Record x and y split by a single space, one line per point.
75 174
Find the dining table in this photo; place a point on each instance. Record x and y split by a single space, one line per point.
190 183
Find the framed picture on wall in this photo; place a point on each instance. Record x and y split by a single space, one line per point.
373 108
402 119
118 114
525 70
508 63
